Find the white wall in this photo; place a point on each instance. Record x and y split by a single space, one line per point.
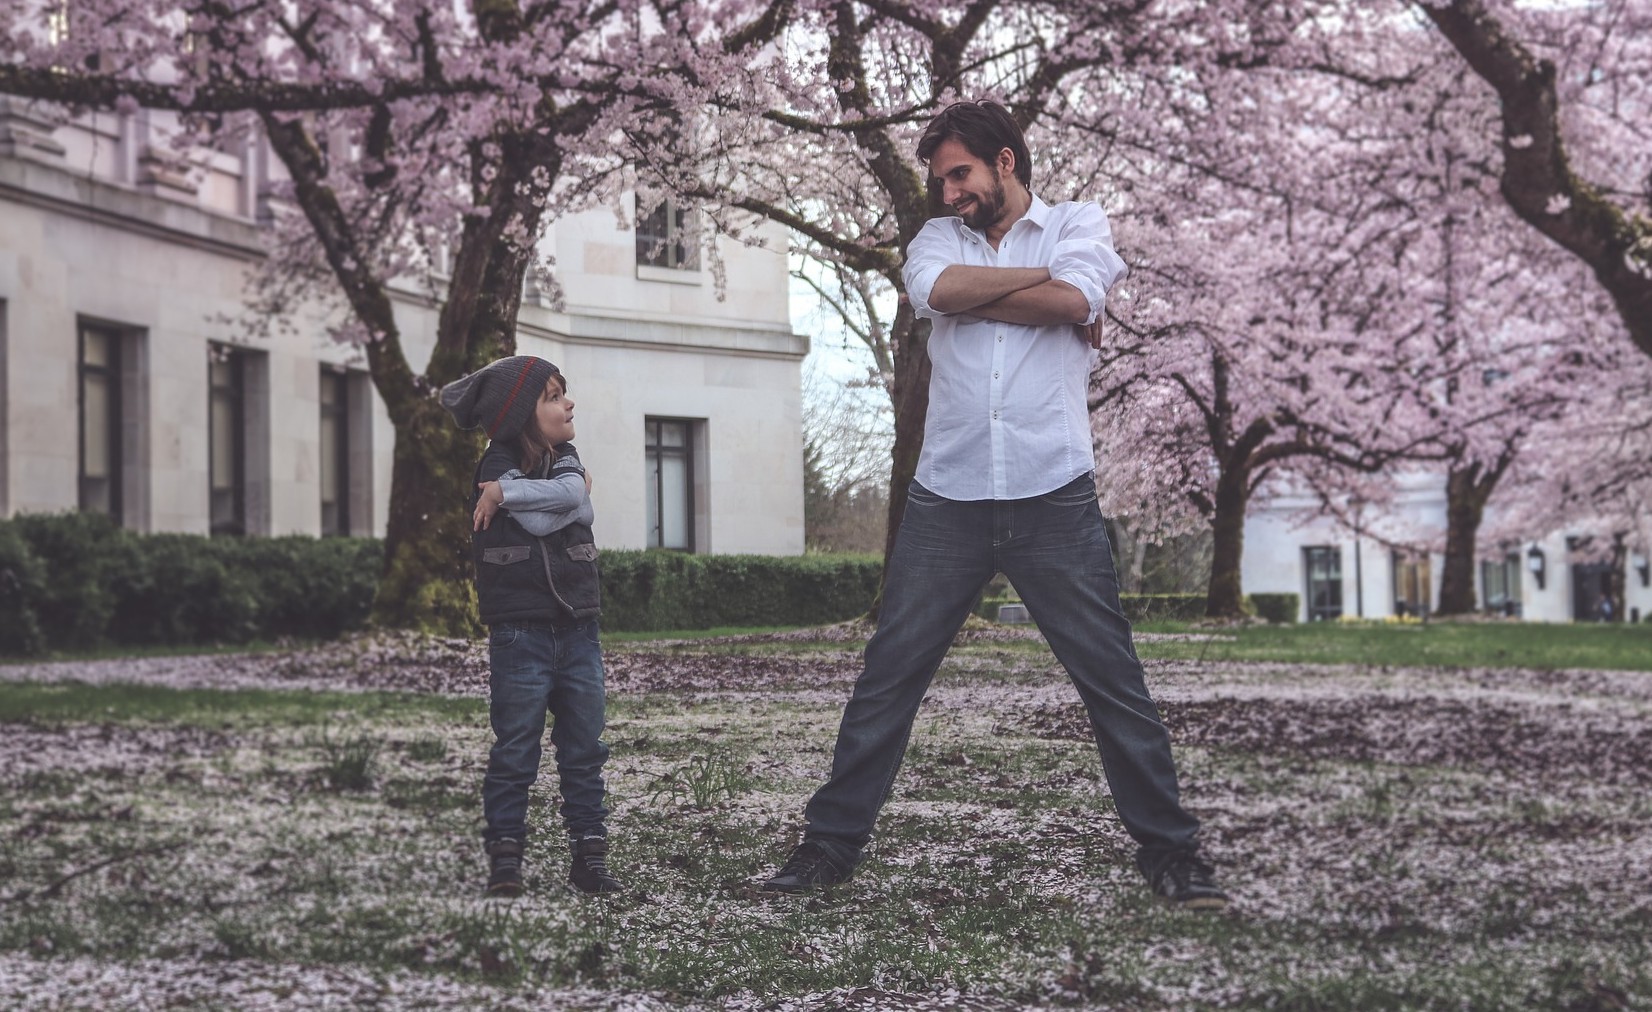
169 260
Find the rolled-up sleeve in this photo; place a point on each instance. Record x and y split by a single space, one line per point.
1084 257
932 250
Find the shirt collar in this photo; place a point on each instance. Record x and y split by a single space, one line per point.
1038 213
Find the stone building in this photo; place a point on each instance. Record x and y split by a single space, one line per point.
130 382
1367 574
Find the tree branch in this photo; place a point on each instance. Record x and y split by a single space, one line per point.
1538 181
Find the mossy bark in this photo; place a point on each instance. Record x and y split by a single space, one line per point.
426 583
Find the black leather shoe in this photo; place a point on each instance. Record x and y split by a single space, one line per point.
809 866
1181 879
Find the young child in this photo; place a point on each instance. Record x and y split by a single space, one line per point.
536 584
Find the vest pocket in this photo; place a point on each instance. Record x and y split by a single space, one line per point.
582 553
507 555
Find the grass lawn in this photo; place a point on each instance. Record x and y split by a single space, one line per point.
1406 818
1453 644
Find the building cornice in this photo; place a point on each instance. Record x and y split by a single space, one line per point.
722 337
89 199
51 188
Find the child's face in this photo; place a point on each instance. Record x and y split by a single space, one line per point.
555 413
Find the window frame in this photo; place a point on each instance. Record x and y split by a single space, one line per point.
235 358
654 453
1332 580
338 411
113 375
1412 578
666 244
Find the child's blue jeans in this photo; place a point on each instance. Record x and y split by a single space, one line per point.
535 669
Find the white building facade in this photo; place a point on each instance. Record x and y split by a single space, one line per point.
1288 549
130 384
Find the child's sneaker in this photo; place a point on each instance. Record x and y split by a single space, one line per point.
589 872
505 868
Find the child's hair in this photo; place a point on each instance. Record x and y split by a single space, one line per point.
536 453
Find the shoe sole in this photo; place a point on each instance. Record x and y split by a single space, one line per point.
1204 903
509 892
577 891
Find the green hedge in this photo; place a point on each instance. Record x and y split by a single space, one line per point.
22 584
77 581
651 590
1163 607
1277 607
1176 607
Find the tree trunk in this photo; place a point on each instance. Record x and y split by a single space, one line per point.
427 579
1225 597
1467 489
426 582
910 396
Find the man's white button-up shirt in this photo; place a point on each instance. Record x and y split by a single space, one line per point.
1007 411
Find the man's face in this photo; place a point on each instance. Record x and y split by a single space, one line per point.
972 188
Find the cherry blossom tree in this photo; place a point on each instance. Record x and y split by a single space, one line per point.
424 144
1479 330
1271 333
820 137
1574 88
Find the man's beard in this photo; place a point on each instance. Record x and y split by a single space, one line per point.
989 208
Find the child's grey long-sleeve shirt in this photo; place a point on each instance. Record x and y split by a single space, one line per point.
546 505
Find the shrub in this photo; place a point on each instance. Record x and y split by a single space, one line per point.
180 590
77 580
1277 607
310 588
83 556
654 589
22 581
1163 607
987 608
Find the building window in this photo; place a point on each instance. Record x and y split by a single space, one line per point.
227 439
335 453
1500 581
101 456
663 238
670 483
1324 569
1413 587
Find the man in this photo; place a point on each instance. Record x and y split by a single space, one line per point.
1005 483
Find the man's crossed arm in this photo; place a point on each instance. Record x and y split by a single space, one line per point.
1021 295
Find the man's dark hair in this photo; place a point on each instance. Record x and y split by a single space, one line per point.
984 128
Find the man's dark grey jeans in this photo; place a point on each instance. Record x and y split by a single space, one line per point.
1053 548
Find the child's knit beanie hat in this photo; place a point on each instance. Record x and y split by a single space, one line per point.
501 396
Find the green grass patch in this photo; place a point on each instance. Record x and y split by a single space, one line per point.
60 702
328 829
1492 645
113 652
